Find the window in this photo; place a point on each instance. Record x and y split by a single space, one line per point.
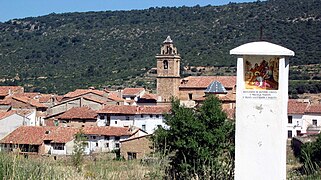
157 116
94 137
144 127
58 146
101 117
297 123
106 138
289 133
96 144
127 117
165 63
115 122
290 119
314 122
117 145
151 116
131 155
83 121
142 116
107 145
117 138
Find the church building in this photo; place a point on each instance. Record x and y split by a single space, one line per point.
190 90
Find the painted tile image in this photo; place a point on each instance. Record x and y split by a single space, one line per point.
261 73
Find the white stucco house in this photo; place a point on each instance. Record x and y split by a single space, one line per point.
104 139
303 118
9 121
147 118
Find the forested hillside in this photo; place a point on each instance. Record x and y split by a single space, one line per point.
60 52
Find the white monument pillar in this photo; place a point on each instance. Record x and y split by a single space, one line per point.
261 111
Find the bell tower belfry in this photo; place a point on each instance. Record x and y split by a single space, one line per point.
168 71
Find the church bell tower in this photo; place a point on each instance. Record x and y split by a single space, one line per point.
168 71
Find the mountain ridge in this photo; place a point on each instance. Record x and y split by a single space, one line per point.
61 52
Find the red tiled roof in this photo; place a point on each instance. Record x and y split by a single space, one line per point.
138 137
5 101
35 135
6 114
79 92
296 107
59 98
314 109
45 98
153 109
95 100
149 96
113 109
114 97
132 91
107 131
27 94
4 90
205 81
24 112
62 134
27 100
50 122
79 113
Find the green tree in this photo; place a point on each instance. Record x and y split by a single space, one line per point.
78 151
310 156
199 143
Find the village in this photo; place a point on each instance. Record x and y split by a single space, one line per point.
36 124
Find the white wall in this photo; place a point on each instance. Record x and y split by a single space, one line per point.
150 122
94 140
308 120
296 125
9 124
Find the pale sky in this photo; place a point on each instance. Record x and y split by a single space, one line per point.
12 9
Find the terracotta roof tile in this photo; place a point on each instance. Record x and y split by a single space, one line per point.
79 113
35 135
31 95
5 101
316 108
107 131
59 98
6 114
132 91
95 100
153 109
296 107
79 92
149 96
45 98
32 102
205 81
62 134
114 97
114 109
4 90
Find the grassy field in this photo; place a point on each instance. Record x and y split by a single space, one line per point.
13 166
103 167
